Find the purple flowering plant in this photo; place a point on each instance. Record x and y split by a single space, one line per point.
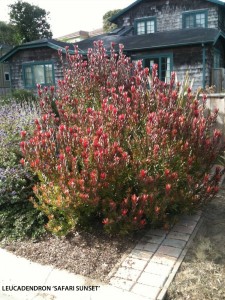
18 217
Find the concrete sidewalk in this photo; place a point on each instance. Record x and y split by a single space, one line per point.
143 274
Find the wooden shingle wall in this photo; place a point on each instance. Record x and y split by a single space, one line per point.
169 13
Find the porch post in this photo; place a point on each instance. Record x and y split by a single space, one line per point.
203 65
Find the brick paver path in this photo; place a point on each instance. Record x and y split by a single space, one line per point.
150 267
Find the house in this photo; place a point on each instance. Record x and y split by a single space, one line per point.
178 35
79 35
35 62
74 37
4 71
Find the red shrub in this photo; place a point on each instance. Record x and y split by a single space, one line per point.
110 148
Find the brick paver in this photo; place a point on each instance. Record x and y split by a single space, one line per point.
174 243
141 254
157 269
171 251
149 292
121 283
128 273
155 239
134 263
178 236
183 229
149 267
152 279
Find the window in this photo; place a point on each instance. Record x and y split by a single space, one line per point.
195 19
6 75
40 72
216 59
145 26
164 62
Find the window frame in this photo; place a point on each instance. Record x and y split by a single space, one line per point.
158 56
194 13
216 58
36 63
7 74
145 20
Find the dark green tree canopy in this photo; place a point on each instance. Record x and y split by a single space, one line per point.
8 34
30 21
107 25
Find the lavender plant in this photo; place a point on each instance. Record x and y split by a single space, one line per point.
14 118
18 217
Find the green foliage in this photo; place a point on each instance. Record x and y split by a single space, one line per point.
23 96
18 217
8 34
30 21
107 25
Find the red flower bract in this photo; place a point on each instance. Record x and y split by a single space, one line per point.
115 148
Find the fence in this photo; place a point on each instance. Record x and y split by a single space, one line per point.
218 101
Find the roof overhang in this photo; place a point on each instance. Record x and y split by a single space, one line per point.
36 44
159 40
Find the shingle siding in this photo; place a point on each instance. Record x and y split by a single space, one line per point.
33 55
169 13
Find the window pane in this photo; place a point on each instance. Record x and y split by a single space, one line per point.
6 76
140 28
189 21
28 76
200 20
149 62
39 75
165 69
48 74
164 66
216 60
151 26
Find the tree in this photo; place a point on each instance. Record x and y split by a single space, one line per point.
107 25
30 21
8 34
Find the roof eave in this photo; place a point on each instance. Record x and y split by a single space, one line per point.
218 2
170 45
220 34
113 18
30 46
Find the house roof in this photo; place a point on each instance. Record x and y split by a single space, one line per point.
84 33
159 40
123 11
51 43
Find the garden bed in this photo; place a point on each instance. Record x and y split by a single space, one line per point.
89 254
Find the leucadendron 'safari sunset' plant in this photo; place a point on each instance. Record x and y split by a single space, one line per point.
116 147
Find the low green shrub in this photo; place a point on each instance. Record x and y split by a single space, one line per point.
21 95
18 218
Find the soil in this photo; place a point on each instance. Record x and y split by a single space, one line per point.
89 254
202 273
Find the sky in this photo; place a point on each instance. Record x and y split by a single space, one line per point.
68 16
